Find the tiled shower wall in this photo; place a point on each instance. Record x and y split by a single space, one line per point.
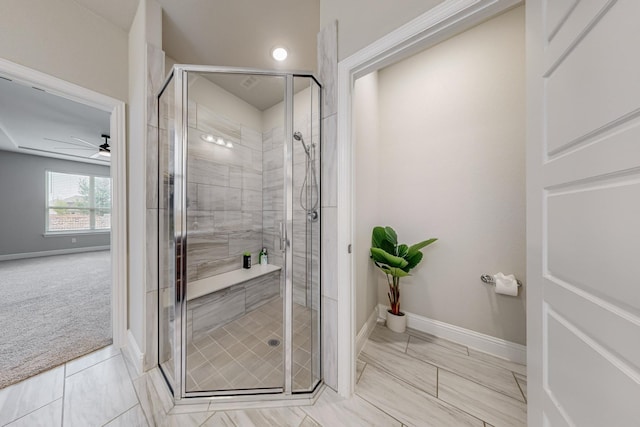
273 192
224 195
305 234
328 74
235 199
155 77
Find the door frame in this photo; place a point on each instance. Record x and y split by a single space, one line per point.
434 26
116 108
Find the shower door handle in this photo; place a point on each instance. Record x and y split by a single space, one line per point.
283 237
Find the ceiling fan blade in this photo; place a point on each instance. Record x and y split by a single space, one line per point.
82 140
64 142
53 152
101 155
79 148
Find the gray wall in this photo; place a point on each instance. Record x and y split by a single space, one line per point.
22 204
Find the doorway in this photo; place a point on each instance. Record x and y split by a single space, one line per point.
65 225
438 24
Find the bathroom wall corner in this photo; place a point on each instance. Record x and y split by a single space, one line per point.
146 73
330 342
328 67
155 76
151 224
329 254
151 331
328 75
329 173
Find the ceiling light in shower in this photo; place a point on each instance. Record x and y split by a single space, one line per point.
216 140
279 53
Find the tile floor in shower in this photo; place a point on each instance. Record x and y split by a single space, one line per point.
238 355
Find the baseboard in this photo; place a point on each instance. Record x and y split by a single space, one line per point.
366 330
26 255
136 356
486 343
382 312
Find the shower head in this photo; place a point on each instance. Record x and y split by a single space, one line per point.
298 137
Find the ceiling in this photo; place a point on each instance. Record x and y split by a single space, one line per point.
261 92
241 33
118 12
238 33
33 121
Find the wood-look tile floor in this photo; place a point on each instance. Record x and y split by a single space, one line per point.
410 379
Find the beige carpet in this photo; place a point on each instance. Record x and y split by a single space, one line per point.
52 310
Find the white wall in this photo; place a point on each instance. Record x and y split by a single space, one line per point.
361 22
65 40
135 122
367 194
451 165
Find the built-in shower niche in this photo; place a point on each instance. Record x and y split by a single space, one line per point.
242 183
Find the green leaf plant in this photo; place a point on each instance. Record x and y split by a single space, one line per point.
395 260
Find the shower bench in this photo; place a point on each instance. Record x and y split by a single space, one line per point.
217 300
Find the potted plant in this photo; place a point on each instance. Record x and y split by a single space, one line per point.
395 261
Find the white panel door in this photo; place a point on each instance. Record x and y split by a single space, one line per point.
583 225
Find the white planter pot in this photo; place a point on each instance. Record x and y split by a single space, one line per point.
396 323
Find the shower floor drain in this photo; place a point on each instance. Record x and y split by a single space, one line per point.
273 343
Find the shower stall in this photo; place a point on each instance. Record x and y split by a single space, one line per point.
239 186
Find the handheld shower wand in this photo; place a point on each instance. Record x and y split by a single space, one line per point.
310 179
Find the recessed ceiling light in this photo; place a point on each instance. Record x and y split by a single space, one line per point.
279 53
229 145
207 137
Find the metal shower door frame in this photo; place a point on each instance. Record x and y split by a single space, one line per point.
181 395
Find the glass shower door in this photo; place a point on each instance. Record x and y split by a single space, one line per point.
234 328
305 244
239 233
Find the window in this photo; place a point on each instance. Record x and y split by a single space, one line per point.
78 203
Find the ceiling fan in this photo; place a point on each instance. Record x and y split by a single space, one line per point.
103 151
